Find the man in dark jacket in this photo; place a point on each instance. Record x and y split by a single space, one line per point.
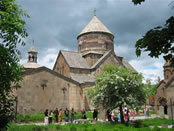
56 114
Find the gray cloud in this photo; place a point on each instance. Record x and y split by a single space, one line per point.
55 24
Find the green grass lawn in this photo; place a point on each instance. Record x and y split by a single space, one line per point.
39 117
141 125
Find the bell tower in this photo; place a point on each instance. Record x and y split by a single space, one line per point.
32 54
32 58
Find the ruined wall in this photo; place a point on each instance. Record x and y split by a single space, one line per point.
62 67
43 90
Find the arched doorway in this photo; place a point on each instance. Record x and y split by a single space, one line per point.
163 103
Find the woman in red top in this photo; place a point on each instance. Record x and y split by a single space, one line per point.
60 115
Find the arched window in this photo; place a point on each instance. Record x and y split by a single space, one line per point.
33 58
29 58
62 69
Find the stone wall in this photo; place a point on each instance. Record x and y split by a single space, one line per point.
79 71
167 73
170 99
111 60
44 90
159 93
101 42
92 58
62 66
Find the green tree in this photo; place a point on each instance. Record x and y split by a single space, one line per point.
150 88
158 41
117 86
12 32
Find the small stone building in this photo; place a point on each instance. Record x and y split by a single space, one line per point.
164 97
73 72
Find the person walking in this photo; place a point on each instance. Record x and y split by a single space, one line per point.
50 117
66 115
46 117
95 114
60 115
112 116
72 115
125 115
84 114
128 113
133 114
109 116
56 113
119 116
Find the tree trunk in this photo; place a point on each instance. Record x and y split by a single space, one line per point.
121 114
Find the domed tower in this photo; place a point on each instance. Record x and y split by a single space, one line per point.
94 41
168 70
32 58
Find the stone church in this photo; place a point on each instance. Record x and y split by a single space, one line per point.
73 72
164 97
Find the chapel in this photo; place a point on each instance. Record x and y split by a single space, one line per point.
164 97
65 85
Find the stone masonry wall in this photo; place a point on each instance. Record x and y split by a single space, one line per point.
92 58
62 67
100 42
111 60
43 90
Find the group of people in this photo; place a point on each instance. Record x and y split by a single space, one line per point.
58 116
110 116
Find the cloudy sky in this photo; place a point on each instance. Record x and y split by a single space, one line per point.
55 24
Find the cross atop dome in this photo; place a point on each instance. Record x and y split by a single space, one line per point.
32 49
94 11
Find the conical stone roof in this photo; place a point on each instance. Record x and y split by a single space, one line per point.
95 25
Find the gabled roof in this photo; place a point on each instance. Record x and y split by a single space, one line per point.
101 60
95 25
121 61
169 82
43 68
74 59
161 82
127 65
81 78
